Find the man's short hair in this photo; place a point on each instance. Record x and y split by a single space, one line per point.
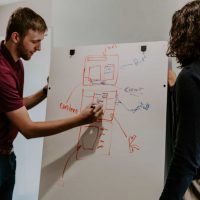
24 19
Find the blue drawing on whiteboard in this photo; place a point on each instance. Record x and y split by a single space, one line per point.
135 61
133 91
141 106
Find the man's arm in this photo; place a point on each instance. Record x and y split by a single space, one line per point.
35 99
20 118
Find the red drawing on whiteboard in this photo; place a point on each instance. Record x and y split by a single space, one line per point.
99 85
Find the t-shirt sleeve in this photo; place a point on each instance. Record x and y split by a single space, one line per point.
10 98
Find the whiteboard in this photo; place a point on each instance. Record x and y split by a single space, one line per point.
121 156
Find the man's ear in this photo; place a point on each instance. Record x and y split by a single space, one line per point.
15 37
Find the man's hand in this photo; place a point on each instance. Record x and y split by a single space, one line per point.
91 113
45 90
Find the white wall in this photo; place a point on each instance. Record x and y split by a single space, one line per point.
5 2
182 2
98 22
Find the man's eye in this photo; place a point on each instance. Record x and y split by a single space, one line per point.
34 42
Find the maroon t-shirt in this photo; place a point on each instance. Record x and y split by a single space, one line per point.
11 94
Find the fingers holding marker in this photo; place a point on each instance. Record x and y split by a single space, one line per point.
99 113
97 109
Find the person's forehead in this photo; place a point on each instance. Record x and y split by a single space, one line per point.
34 34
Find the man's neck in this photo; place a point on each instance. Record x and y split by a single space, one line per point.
12 49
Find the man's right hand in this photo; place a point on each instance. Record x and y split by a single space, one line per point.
30 129
91 113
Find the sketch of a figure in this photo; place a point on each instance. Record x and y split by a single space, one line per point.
99 85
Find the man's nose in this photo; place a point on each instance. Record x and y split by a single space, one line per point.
38 47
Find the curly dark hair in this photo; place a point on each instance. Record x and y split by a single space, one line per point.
184 43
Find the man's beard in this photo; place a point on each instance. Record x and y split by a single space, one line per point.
22 52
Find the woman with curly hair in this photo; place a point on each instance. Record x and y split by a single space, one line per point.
184 44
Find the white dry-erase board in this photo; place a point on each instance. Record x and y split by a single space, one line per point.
121 156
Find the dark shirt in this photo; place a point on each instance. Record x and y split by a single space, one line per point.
185 165
11 94
170 134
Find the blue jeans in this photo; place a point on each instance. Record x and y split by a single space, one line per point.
180 176
7 176
175 189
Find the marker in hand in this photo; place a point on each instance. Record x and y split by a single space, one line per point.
93 106
97 109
